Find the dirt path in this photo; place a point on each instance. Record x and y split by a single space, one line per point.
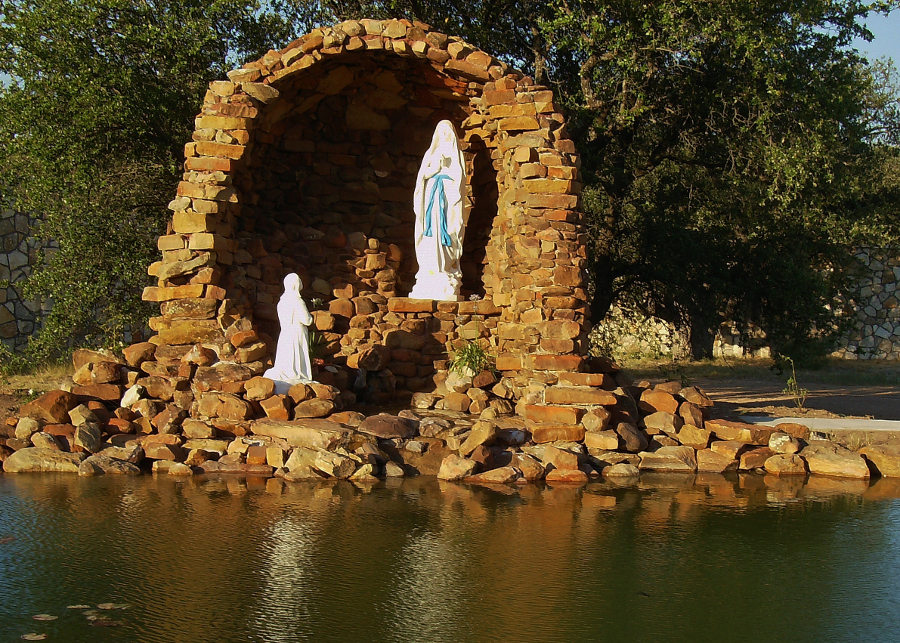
759 397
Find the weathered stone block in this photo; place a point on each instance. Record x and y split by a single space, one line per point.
579 395
553 414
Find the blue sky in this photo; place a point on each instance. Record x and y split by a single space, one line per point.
887 37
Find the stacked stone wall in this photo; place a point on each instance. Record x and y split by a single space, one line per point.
20 252
875 330
305 161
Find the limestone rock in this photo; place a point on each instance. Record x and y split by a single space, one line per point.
662 422
755 458
634 440
709 461
314 408
695 396
335 465
785 464
132 395
197 429
300 457
88 437
483 434
388 427
137 354
157 451
52 407
456 402
799 431
603 441
219 447
557 457
310 433
566 476
532 469
277 407
197 457
695 437
171 468
669 459
32 459
653 401
132 452
45 441
730 449
259 388
621 470
884 457
596 420
500 475
106 373
393 470
455 467
302 473
103 464
26 427
423 401
347 418
784 443
740 431
458 382
691 414
832 460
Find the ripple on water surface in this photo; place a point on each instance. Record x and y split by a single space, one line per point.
214 559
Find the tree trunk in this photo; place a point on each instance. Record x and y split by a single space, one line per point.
701 339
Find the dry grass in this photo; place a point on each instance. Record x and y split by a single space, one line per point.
38 379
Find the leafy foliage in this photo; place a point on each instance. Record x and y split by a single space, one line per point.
472 358
92 128
730 151
792 388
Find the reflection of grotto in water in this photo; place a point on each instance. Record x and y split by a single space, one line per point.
421 560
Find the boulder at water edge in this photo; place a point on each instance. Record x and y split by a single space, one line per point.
34 459
832 460
388 426
885 458
455 467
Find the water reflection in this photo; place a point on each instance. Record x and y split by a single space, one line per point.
677 557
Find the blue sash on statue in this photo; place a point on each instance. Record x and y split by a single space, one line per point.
437 195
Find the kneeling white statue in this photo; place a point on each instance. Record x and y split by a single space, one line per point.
440 224
292 363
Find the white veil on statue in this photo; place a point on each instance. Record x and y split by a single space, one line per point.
440 224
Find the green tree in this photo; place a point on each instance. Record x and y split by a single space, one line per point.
92 127
730 149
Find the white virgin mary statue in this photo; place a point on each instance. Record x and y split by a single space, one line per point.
292 364
440 226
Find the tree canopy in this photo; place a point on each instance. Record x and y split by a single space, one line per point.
92 131
732 151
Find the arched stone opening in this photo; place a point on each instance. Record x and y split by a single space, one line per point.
305 161
332 174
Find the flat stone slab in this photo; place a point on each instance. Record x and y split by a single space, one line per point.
311 433
850 432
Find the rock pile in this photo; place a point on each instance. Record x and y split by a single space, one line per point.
477 428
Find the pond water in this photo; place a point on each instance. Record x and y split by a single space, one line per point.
668 559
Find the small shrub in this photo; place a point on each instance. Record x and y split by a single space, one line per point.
793 389
472 357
